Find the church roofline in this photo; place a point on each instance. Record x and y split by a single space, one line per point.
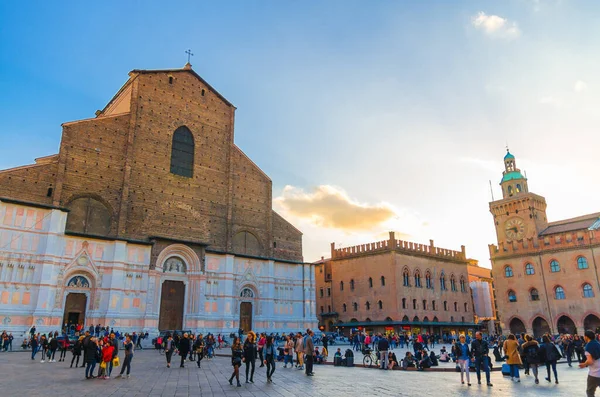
294 227
178 240
214 251
106 238
31 204
190 70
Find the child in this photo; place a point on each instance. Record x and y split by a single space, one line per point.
338 353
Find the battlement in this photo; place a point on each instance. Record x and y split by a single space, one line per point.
399 246
545 243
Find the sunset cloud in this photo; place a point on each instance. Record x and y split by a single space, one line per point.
331 207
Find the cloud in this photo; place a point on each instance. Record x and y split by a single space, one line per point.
580 86
495 26
488 165
331 207
551 101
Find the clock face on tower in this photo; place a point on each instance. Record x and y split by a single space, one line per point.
515 229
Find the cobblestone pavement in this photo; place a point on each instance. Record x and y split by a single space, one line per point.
150 377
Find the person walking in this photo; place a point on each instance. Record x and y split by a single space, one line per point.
270 353
262 341
184 349
309 351
383 347
236 360
480 350
114 342
511 349
299 347
250 353
551 355
463 355
128 347
531 351
288 352
77 352
34 346
44 347
53 346
199 348
592 362
91 350
64 345
169 346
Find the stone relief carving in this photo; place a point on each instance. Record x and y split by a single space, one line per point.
174 265
247 293
78 282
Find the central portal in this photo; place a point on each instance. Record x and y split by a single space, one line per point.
171 306
246 316
75 309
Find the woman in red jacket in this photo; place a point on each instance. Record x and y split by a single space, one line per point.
107 356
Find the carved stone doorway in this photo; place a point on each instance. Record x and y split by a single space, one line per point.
75 309
171 305
246 316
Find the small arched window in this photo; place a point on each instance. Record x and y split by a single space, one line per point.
182 152
414 304
559 293
380 305
453 283
534 294
404 303
433 306
246 243
455 306
382 281
529 270
370 282
344 307
424 304
445 306
428 283
466 307
341 285
368 306
89 216
518 188
355 306
510 191
352 285
554 266
406 278
588 292
443 282
463 284
512 296
508 272
582 262
417 279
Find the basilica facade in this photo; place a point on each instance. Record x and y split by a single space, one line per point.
150 218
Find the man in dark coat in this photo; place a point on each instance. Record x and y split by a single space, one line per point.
184 348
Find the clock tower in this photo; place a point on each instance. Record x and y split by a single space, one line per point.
519 214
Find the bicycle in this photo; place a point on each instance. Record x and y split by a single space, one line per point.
370 358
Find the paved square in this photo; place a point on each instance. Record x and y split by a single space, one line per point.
150 377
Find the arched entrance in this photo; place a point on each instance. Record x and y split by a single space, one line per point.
540 327
246 316
516 326
171 305
566 326
592 322
75 306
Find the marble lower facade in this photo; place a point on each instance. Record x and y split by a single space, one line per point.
49 278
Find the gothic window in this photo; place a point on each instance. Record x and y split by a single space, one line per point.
247 293
443 282
508 272
355 306
370 282
453 283
174 265
382 281
512 296
529 270
554 266
582 263
89 216
246 243
588 292
352 285
341 285
406 278
344 307
428 282
463 285
534 294
417 279
380 304
182 152
368 306
78 282
559 293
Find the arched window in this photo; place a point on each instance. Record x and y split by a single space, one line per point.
510 191
433 306
352 285
355 306
344 307
370 282
529 270
582 263
368 306
554 266
406 278
559 293
512 296
534 294
341 285
455 306
588 292
404 303
382 281
414 304
417 279
508 272
88 216
424 304
428 283
453 283
445 306
246 243
380 305
463 285
518 189
466 307
443 282
182 152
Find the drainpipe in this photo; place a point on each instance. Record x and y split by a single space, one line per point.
546 291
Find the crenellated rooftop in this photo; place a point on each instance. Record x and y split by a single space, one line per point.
399 246
558 241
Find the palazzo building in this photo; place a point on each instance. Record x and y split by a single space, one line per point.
394 285
545 273
150 218
484 297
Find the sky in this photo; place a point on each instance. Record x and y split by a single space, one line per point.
369 116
